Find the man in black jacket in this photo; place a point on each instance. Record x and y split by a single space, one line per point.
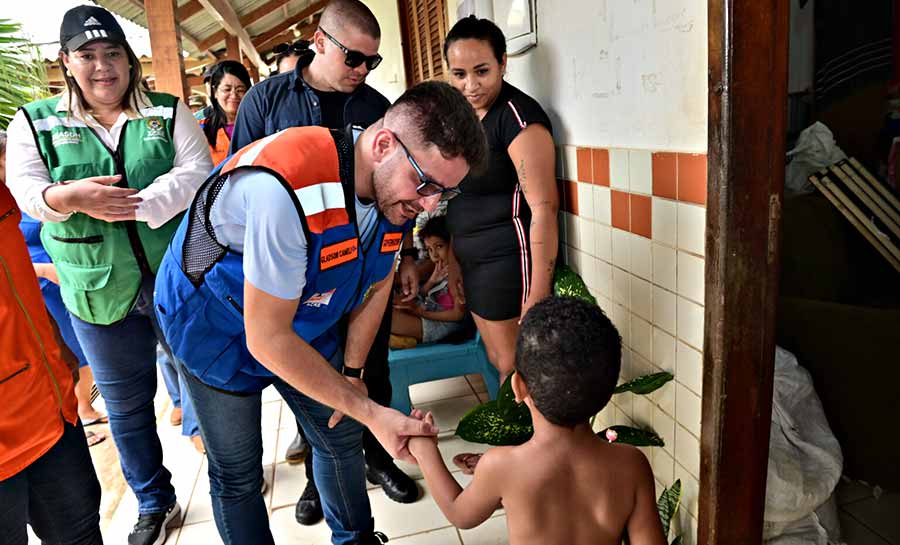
327 88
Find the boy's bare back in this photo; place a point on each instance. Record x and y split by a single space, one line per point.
573 488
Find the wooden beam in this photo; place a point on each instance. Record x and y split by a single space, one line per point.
213 39
232 48
288 36
268 35
165 42
747 127
188 10
262 11
224 13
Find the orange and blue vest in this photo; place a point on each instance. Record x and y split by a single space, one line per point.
200 283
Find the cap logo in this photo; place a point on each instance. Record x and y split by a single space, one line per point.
94 34
91 21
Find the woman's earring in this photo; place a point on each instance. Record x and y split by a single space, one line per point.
68 74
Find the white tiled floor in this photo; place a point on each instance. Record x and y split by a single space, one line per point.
419 523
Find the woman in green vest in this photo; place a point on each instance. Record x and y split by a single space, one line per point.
109 169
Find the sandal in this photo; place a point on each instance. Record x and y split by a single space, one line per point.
94 438
102 419
466 462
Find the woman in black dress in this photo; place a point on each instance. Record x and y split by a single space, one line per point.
504 224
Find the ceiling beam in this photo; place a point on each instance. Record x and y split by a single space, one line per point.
188 10
275 31
262 11
224 13
288 36
139 4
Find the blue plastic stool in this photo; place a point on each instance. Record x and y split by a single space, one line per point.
429 362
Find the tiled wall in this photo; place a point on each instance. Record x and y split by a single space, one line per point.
632 223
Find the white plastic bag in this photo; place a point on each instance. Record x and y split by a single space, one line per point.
805 459
815 150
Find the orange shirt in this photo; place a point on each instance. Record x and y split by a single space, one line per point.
220 151
36 386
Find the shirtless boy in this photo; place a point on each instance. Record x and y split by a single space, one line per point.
565 485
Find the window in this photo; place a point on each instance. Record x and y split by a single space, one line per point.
424 26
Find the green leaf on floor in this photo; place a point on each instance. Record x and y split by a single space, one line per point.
567 283
634 436
645 384
667 505
486 424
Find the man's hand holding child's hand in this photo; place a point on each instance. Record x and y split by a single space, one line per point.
421 444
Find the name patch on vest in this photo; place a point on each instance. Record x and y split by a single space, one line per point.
336 254
63 138
156 129
391 242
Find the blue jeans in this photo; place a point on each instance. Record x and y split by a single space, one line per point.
175 385
123 359
230 426
58 494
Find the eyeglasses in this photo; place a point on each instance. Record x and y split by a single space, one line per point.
237 91
355 58
297 47
427 187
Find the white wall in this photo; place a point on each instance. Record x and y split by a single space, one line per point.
390 77
619 73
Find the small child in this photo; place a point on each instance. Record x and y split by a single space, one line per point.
434 314
565 485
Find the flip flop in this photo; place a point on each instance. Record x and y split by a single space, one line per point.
94 438
94 421
466 462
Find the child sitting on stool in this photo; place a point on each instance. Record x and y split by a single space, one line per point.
565 484
434 314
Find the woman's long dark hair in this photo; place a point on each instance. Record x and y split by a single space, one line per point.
217 118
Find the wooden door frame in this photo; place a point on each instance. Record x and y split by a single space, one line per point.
748 59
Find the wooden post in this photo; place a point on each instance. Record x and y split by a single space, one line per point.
232 48
747 122
165 44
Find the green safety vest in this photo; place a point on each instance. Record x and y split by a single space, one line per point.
100 264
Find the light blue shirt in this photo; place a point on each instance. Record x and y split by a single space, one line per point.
254 215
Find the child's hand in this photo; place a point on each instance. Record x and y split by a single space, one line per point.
417 445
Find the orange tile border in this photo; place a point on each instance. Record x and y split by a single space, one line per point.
571 197
600 162
641 215
583 168
692 178
621 216
665 175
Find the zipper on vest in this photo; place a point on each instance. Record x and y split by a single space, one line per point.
235 304
8 213
94 239
19 372
131 225
37 336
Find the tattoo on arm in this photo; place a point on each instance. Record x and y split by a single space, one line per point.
522 176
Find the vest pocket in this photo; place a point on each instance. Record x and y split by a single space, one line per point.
5 377
8 213
77 282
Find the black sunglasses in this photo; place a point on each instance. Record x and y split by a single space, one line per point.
297 47
427 187
355 58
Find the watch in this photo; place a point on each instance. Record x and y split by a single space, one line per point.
353 372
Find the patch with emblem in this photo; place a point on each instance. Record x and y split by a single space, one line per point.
391 242
337 254
320 299
156 129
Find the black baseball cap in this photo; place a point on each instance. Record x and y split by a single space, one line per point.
83 24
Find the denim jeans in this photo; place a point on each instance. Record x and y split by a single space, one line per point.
123 359
58 494
175 386
230 426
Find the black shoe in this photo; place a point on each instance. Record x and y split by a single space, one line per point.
375 538
309 507
297 450
397 485
151 529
